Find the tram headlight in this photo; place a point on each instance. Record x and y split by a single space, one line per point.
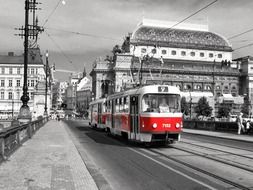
154 125
178 125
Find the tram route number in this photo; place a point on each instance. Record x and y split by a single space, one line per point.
166 125
163 89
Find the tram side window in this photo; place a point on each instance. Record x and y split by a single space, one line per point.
120 105
126 107
117 105
95 108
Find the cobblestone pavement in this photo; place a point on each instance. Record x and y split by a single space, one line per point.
48 161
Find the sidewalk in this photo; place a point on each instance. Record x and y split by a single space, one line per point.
245 138
48 161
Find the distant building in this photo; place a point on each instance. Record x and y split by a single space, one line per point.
188 56
83 95
11 80
59 94
70 92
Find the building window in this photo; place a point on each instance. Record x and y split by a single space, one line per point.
28 82
3 70
154 51
219 55
192 54
183 53
10 83
208 87
31 96
173 52
234 88
2 95
18 82
18 70
10 95
210 55
18 95
164 51
28 71
10 71
226 87
32 71
32 83
201 54
143 50
2 83
36 71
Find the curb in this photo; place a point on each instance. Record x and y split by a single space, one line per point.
221 137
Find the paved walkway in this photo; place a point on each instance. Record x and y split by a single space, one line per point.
48 161
241 137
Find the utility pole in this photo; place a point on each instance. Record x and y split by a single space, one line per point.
29 31
46 88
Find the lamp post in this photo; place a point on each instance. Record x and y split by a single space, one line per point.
24 113
46 72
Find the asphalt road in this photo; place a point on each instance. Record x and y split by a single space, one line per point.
115 164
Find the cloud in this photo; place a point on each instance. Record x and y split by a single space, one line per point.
115 18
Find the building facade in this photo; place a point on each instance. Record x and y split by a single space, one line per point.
188 56
11 81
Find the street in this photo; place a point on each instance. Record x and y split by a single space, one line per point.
193 163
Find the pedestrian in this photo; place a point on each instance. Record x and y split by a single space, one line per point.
247 129
240 124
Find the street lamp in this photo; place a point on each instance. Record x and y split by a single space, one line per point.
46 71
24 113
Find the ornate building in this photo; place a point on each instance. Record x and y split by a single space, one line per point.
11 81
188 56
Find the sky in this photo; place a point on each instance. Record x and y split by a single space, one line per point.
114 19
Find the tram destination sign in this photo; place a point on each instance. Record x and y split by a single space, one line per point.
163 89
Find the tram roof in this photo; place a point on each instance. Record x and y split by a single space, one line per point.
147 90
101 100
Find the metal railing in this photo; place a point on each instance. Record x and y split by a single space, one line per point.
13 137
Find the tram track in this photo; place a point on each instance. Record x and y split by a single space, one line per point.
216 149
220 144
220 160
217 177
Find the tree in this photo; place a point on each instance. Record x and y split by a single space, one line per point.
224 110
203 108
185 106
245 107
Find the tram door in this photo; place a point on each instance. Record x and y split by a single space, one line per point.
134 110
113 112
99 113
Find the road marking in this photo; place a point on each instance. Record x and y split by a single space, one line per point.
172 169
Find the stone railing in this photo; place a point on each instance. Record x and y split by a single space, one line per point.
13 137
221 126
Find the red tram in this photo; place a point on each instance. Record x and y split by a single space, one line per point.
145 114
97 113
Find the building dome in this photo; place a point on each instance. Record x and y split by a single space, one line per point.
179 38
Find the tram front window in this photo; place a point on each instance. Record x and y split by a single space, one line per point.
160 103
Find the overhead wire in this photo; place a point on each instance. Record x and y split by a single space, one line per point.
49 16
240 34
83 34
60 49
191 15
